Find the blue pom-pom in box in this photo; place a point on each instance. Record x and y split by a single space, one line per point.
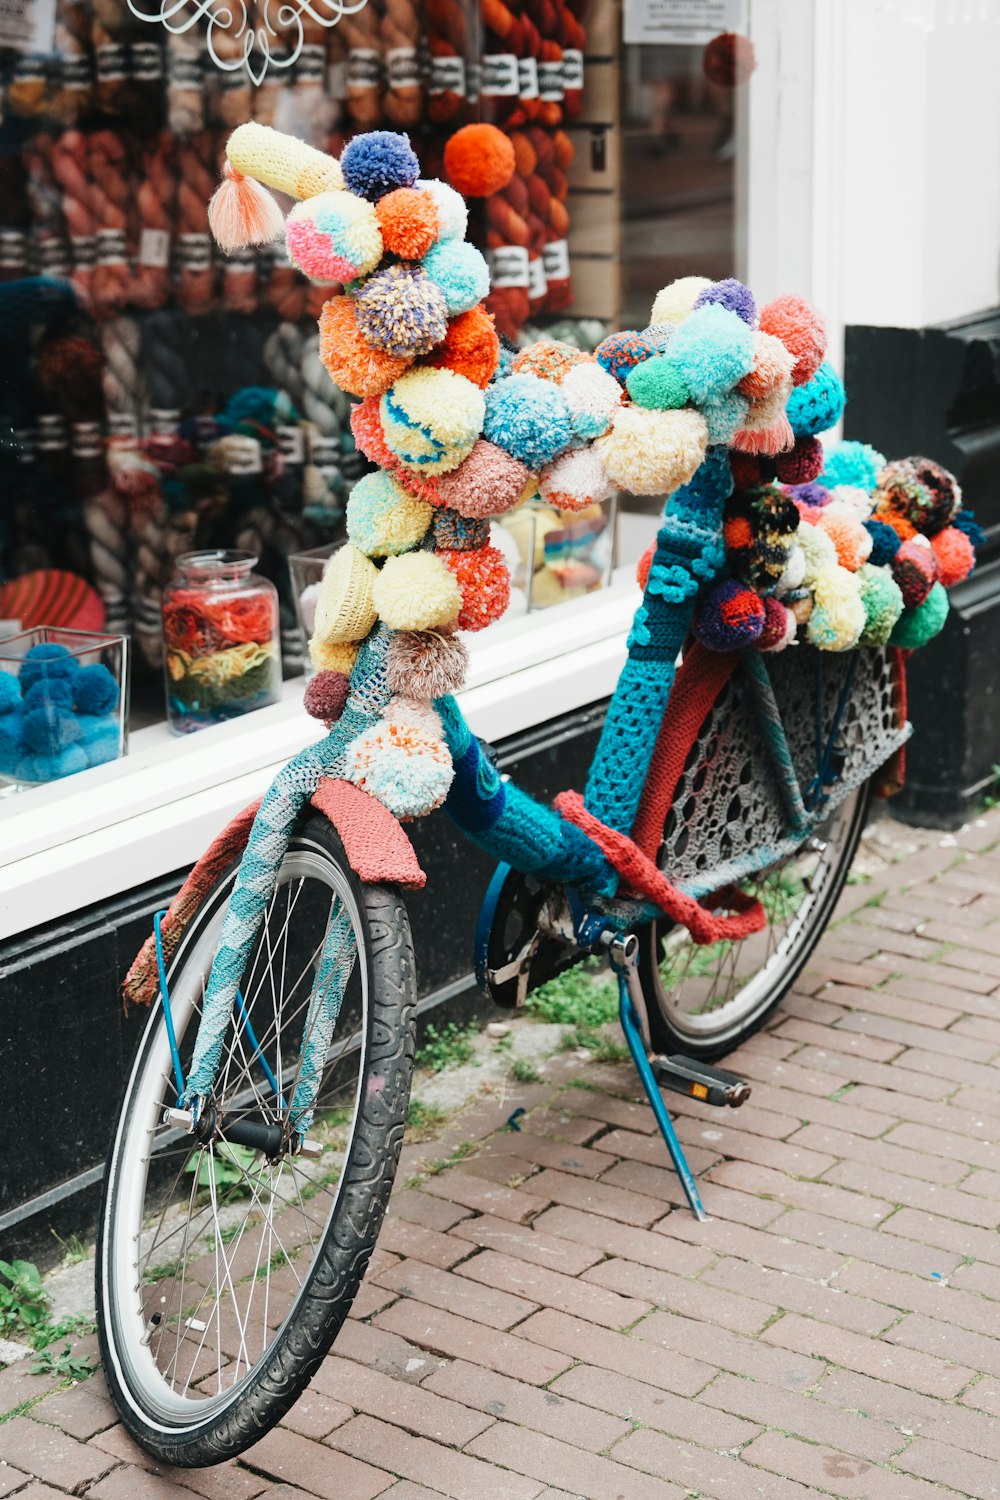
63 704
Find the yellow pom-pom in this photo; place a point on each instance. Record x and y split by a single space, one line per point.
383 518
838 617
345 610
431 419
334 656
652 452
674 302
416 592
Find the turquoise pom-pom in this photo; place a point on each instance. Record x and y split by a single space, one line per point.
657 383
883 602
51 692
95 690
10 692
69 761
916 626
725 417
817 405
712 350
11 742
855 464
49 730
460 272
528 418
46 661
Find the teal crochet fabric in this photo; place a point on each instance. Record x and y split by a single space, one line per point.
689 552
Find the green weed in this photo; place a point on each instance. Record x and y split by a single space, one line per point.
422 1118
575 998
447 1048
522 1071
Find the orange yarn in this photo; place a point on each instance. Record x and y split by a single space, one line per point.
353 364
69 168
448 45
196 179
361 33
111 199
479 160
155 205
408 220
470 347
400 36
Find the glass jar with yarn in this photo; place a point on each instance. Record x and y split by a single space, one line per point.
221 640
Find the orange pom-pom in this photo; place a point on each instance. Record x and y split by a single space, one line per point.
470 347
644 564
955 554
408 219
485 584
903 528
800 328
366 425
479 160
242 213
350 360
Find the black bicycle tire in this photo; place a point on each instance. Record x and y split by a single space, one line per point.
666 1039
351 1233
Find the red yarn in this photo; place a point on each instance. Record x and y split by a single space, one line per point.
484 580
801 464
644 564
955 554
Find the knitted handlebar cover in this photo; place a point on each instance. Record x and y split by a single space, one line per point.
689 551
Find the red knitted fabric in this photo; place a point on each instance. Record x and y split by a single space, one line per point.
891 778
377 849
642 876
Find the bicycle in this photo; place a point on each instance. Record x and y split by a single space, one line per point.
254 1153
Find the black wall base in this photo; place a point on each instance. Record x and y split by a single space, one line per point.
66 1041
936 391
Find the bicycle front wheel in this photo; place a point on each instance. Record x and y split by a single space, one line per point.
225 1271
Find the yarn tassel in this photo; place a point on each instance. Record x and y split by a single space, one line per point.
243 213
777 437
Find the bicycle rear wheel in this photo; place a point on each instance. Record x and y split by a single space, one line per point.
225 1273
704 1000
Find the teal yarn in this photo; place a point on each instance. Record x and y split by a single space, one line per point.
852 463
725 417
818 404
49 730
657 384
10 692
46 661
460 272
712 350
55 692
95 690
916 626
528 418
402 311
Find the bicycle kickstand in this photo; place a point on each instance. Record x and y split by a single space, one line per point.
682 1074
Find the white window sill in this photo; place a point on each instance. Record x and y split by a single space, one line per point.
106 831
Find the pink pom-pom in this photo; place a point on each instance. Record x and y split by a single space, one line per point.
326 695
801 329
241 212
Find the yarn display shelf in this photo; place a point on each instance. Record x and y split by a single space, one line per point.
63 704
221 639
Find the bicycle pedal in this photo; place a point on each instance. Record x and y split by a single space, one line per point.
700 1081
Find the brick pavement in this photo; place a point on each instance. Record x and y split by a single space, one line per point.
545 1320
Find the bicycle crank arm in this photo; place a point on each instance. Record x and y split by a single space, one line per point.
699 1081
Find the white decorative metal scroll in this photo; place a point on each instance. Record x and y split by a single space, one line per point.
252 36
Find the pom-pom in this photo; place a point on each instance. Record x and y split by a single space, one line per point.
333 656
408 219
916 626
801 329
95 690
456 533
431 418
921 491
345 610
731 294
416 592
955 554
838 615
46 661
851 541
748 469
549 360
484 580
725 417
471 347
402 311
383 519
899 523
653 452
883 602
916 570
728 59
575 481
460 272
377 162
620 352
644 564
487 483
11 742
771 370
334 237
241 212
729 616
858 502
673 303
794 571
811 496
885 543
479 160
74 758
528 418
780 626
55 692
966 522
406 769
819 551
712 350
817 404
325 696
802 464
452 212
351 362
658 384
49 729
764 434
593 396
425 663
857 464
10 692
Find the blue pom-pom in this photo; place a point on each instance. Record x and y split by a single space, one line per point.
732 294
376 163
966 521
729 616
459 272
528 418
46 661
33 768
51 692
810 494
713 350
856 464
47 731
95 690
818 404
886 542
69 761
10 692
11 742
621 352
